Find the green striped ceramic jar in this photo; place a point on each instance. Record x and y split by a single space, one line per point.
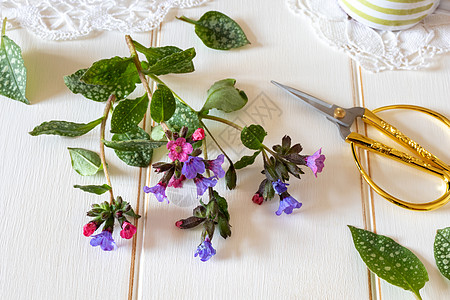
388 14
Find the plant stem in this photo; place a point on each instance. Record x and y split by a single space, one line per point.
187 20
3 31
215 141
224 121
205 155
111 99
137 63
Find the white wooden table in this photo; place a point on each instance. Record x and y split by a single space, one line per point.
306 255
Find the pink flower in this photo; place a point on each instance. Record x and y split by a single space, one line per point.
176 182
257 199
179 149
315 162
89 228
128 230
198 135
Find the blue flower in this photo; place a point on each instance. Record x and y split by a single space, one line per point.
104 240
287 204
193 166
204 183
205 250
158 190
279 186
216 166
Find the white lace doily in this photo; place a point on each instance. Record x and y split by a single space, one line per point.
71 19
376 50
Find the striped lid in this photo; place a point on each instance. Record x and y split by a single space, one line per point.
388 14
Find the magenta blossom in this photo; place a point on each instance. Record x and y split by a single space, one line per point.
216 166
198 135
89 228
179 149
158 190
315 162
128 230
176 182
258 199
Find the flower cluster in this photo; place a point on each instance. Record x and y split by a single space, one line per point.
285 161
106 214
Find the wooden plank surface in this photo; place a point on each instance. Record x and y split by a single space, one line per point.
306 255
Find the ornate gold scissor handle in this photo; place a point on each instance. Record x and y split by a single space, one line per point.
428 162
344 118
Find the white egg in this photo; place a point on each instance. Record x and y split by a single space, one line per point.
388 14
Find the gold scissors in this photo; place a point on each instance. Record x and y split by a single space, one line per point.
344 118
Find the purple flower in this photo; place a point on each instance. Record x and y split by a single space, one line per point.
315 162
179 149
193 166
287 204
104 240
279 186
204 183
216 166
205 250
158 190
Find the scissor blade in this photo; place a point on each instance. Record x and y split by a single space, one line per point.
318 104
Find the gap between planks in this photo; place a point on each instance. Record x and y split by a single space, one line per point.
138 254
367 196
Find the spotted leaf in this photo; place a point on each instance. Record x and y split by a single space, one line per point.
64 128
140 158
252 136
13 74
442 251
389 260
218 31
128 114
184 116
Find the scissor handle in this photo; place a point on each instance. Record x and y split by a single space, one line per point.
430 164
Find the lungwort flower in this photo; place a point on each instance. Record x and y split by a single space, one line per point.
316 162
193 166
204 183
158 190
205 250
216 166
258 199
104 240
179 149
279 186
287 205
90 228
176 182
128 230
198 135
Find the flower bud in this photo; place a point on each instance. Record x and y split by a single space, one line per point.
90 228
258 199
190 222
198 135
128 230
199 211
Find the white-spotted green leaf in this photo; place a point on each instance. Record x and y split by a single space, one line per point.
218 31
85 162
166 60
224 96
64 128
252 136
93 84
134 158
133 145
13 74
246 161
128 114
442 251
184 116
163 104
157 133
95 189
390 260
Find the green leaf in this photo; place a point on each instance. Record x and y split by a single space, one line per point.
223 205
133 145
218 31
224 96
134 158
64 128
96 83
442 251
252 136
95 189
231 178
246 161
157 133
224 227
85 162
163 104
184 116
128 114
13 74
389 260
